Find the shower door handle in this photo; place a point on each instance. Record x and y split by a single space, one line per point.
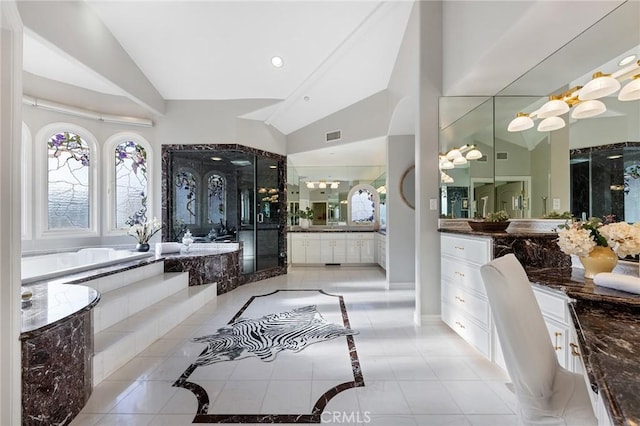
260 217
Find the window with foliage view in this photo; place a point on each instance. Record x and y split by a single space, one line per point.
131 184
68 182
216 195
185 198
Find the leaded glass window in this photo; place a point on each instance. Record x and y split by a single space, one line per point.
186 203
131 184
68 182
363 206
216 196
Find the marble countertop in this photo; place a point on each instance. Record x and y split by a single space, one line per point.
323 229
608 325
56 299
53 302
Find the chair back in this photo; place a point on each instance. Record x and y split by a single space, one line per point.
528 352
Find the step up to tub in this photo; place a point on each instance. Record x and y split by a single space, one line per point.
119 304
118 280
118 344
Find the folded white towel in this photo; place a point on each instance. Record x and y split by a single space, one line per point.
622 282
162 248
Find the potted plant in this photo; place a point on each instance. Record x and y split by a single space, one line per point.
496 222
305 217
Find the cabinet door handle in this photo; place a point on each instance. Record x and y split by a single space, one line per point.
459 248
557 347
459 273
460 299
574 349
459 324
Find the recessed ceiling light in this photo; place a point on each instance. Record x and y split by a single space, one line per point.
306 98
614 157
626 60
277 61
216 158
273 166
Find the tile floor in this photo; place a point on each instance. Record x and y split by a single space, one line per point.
413 375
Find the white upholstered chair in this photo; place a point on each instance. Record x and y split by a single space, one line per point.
547 393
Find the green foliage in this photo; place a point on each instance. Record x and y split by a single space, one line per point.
499 216
305 214
556 215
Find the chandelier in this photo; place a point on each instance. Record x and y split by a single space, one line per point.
583 98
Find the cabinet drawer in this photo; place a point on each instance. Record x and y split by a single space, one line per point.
470 249
472 305
332 236
553 305
463 274
303 236
360 236
466 328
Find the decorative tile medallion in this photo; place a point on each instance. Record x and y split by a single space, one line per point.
252 333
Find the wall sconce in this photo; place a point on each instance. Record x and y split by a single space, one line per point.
585 100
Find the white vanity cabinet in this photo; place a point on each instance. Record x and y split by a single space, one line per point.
305 248
333 247
464 303
381 252
360 247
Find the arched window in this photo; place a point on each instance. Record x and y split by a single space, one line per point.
68 182
186 204
216 198
363 202
127 164
130 164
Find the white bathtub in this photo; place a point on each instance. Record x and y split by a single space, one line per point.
48 266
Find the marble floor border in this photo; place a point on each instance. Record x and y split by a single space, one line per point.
202 415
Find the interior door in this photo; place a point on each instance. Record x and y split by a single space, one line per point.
267 214
510 198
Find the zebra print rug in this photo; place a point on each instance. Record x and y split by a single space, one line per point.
254 333
266 336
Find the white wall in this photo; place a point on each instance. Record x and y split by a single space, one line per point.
400 217
427 177
10 229
364 120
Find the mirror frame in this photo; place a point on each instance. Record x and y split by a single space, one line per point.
405 178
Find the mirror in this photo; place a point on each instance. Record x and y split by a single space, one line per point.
529 170
408 187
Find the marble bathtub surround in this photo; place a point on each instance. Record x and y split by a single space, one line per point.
222 266
57 348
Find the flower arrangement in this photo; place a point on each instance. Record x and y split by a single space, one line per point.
305 214
580 237
499 216
143 231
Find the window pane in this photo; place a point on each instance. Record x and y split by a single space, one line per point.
362 206
131 184
68 182
216 192
185 206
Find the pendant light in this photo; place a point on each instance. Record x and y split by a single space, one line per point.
554 107
588 109
520 123
551 123
453 154
460 161
631 92
474 154
600 86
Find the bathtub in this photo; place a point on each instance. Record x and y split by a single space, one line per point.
48 266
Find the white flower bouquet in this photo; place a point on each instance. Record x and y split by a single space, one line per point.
145 230
622 237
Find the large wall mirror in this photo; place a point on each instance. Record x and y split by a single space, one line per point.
549 169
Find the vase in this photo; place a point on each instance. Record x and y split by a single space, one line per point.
142 247
600 259
304 223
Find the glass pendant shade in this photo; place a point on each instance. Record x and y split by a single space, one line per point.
310 185
520 123
460 161
631 92
553 108
474 154
551 123
453 154
447 165
599 87
588 109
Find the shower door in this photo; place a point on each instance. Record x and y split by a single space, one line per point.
268 214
